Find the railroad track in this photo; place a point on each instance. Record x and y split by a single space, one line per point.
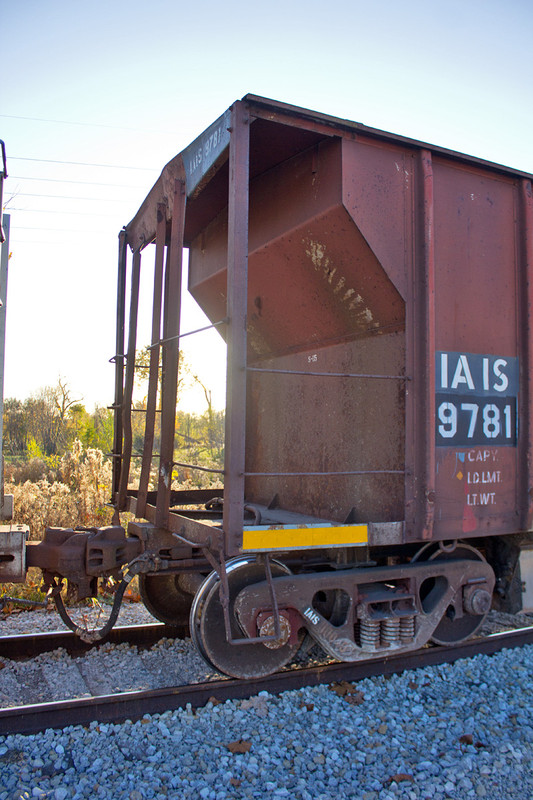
118 707
31 645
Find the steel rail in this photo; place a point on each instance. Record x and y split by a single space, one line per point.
26 645
134 705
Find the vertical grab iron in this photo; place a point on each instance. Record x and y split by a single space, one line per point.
119 363
171 330
237 293
155 350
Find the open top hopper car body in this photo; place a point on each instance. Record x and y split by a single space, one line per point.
375 294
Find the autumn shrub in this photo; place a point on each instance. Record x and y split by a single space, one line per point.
33 470
88 475
187 478
31 590
74 492
78 495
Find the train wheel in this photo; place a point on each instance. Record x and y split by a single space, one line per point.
165 600
208 630
453 629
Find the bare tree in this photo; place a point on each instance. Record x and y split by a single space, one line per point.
48 417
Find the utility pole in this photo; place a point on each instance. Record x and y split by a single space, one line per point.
6 501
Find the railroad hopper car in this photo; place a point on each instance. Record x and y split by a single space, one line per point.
375 294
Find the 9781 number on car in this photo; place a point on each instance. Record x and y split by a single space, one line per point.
475 421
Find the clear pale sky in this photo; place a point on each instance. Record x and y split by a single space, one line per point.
128 84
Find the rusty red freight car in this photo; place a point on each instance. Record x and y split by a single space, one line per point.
375 294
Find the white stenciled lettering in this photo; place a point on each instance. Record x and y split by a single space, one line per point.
475 422
491 421
463 374
448 419
472 409
312 616
482 455
486 386
481 499
444 370
196 160
487 499
468 372
484 477
502 377
507 415
212 141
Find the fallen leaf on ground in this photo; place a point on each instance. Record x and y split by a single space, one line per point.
348 691
240 746
258 704
401 776
355 699
214 701
342 688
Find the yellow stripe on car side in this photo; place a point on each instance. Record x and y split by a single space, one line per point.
262 537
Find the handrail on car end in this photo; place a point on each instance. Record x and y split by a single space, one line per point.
4 160
3 175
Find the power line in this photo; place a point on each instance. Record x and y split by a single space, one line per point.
65 197
63 230
80 163
47 211
68 243
64 242
87 183
88 124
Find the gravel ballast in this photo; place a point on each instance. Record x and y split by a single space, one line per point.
454 731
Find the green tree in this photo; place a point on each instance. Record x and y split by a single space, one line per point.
46 424
101 430
94 430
